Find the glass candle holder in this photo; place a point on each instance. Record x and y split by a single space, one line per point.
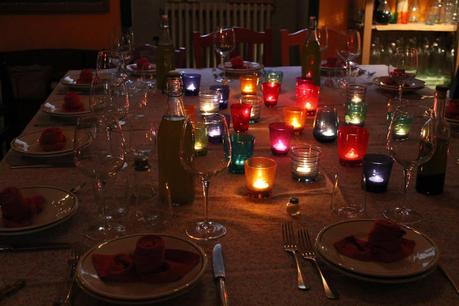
296 118
355 113
260 174
280 135
200 139
355 93
214 132
305 163
307 95
352 144
376 172
191 83
273 76
209 102
240 116
242 149
249 84
255 101
270 93
190 111
224 94
325 126
402 126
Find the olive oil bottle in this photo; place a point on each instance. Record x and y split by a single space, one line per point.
164 54
310 57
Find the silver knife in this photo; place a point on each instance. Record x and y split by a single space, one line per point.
219 273
37 247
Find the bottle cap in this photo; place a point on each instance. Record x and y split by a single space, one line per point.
294 200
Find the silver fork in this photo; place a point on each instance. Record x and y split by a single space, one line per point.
65 296
291 247
307 252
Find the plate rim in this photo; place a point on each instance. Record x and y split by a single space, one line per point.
63 114
167 295
34 229
393 88
426 237
132 70
43 154
241 71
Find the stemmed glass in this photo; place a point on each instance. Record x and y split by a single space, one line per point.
411 142
206 163
402 67
224 41
350 50
99 152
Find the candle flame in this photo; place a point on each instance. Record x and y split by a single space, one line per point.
260 184
280 146
295 123
351 154
191 87
356 99
304 169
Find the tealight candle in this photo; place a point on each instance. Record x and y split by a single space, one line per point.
355 113
249 84
305 163
280 135
209 101
376 172
325 126
191 83
270 93
240 116
352 144
355 93
260 174
224 90
295 117
242 149
200 139
214 130
307 95
255 101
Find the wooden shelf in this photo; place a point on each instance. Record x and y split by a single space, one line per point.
416 27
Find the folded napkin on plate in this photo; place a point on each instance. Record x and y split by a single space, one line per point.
385 244
151 262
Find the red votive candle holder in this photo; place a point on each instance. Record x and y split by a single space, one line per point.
249 84
280 135
240 116
307 95
270 93
352 144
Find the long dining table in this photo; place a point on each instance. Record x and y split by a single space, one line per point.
258 270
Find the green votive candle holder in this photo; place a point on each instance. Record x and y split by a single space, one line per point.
242 149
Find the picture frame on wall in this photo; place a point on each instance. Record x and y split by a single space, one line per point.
53 6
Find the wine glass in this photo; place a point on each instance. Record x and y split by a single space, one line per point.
402 67
350 50
322 37
411 142
109 97
99 153
210 150
224 41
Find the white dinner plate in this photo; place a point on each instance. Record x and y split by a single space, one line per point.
424 257
410 86
137 292
70 80
132 68
56 107
250 67
59 206
28 144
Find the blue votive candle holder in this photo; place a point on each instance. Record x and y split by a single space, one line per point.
376 172
225 92
191 83
325 127
242 149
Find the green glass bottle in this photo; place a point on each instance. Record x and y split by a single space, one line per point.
164 54
430 178
310 57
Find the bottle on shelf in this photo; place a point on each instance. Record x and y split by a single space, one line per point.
175 183
310 57
430 178
382 14
414 12
164 55
402 11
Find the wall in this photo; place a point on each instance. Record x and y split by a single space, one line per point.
334 15
80 31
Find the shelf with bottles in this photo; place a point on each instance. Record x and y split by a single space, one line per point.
415 27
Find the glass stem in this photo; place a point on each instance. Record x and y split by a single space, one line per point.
98 188
205 192
400 93
222 61
407 178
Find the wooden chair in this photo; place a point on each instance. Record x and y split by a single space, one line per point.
289 40
251 45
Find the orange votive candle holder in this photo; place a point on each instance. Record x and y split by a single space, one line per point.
295 117
260 175
249 84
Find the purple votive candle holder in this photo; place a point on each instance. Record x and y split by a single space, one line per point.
280 135
224 91
191 83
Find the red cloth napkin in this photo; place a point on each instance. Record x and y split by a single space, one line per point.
52 139
72 102
143 63
85 77
17 210
237 62
385 244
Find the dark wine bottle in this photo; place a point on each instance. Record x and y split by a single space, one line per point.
382 14
454 90
430 178
310 56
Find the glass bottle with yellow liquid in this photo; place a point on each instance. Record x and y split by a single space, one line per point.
310 57
175 184
164 54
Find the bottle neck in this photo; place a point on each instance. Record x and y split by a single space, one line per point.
439 105
175 98
164 34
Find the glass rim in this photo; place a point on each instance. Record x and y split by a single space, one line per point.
260 162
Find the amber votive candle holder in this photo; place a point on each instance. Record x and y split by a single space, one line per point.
352 144
296 118
249 84
240 116
260 175
280 135
255 101
307 95
191 83
305 163
209 101
270 93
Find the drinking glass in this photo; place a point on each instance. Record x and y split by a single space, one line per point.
107 97
350 49
99 153
224 41
216 159
411 142
402 67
